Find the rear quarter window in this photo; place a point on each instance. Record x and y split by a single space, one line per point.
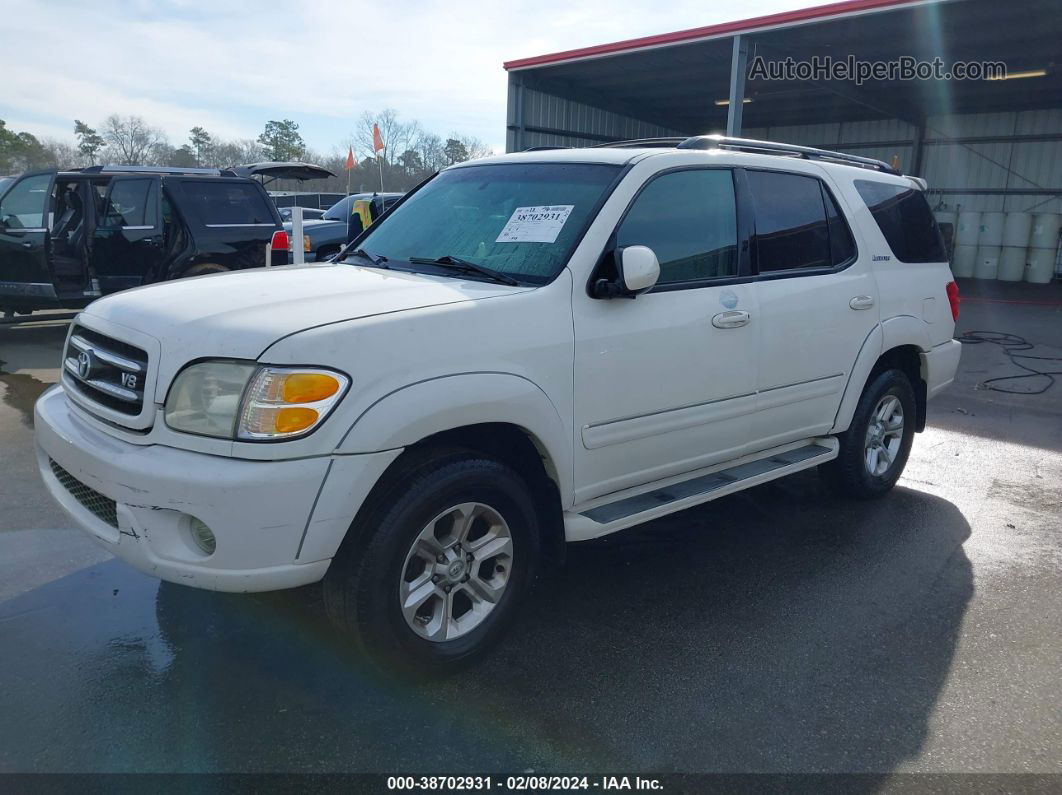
224 203
904 218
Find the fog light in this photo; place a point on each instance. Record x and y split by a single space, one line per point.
203 537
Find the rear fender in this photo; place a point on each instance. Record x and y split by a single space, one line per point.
892 333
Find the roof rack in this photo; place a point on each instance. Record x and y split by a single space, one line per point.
116 169
640 143
772 148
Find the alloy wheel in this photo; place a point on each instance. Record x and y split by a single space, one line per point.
884 435
456 571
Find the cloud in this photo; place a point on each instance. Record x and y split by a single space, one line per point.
231 66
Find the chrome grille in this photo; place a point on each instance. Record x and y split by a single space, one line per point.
91 500
107 371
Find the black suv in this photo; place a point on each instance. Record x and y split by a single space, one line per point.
68 237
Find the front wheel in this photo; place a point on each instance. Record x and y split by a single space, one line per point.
875 447
436 565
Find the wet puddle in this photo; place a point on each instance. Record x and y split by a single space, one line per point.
20 392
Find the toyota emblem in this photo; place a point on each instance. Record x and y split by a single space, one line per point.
84 364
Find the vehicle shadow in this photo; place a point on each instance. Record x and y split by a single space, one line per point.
776 630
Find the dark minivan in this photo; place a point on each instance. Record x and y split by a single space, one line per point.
68 237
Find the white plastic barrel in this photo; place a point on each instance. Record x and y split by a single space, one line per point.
1040 265
986 266
991 229
1016 229
1045 229
969 228
962 261
1012 264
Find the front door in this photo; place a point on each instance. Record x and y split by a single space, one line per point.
666 383
127 244
817 301
25 275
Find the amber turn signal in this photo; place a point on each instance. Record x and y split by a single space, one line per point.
291 420
309 387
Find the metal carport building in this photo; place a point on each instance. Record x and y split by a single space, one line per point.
983 145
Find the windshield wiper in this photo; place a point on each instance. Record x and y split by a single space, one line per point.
377 260
458 264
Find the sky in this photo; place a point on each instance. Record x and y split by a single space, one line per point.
232 65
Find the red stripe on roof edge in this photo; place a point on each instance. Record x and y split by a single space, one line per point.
785 17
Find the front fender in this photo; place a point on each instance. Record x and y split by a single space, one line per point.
415 412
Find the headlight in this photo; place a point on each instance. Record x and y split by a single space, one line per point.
241 400
282 402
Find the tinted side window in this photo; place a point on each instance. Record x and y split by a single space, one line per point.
340 210
228 203
791 228
842 246
130 202
689 218
904 218
23 206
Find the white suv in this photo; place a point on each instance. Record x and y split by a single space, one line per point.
422 421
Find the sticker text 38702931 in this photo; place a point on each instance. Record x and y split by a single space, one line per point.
535 224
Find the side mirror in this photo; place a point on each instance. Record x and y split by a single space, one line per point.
638 270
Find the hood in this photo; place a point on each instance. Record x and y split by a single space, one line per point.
239 315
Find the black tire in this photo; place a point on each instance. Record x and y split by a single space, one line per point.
203 268
361 589
849 474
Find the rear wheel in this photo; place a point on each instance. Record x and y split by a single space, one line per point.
875 447
436 565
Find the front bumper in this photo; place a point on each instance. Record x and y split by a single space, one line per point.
277 523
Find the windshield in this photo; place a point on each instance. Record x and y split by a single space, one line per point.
519 219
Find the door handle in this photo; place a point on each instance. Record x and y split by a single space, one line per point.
732 319
862 302
27 244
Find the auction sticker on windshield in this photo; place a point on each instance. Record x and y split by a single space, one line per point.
535 224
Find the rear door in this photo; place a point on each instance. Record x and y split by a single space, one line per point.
232 221
25 208
818 302
127 246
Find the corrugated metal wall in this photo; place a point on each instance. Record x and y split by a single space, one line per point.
1009 164
1001 165
547 117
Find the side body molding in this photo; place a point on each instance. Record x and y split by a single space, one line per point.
419 410
891 333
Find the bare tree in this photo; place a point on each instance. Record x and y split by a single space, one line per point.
234 153
131 139
398 136
474 147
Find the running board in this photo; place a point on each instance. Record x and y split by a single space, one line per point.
604 515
